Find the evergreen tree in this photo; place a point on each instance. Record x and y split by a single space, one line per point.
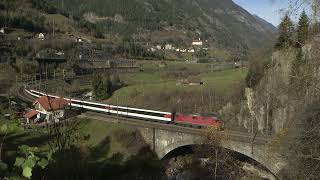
102 86
299 60
286 30
97 86
116 83
303 29
108 86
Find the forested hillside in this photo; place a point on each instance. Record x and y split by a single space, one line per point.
223 23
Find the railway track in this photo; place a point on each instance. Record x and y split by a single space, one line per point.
232 135
21 94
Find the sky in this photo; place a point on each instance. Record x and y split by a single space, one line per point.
270 10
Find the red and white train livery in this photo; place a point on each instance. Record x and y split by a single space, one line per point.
142 114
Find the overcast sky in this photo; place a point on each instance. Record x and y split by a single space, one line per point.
269 10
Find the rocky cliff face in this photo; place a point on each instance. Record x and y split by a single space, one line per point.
274 103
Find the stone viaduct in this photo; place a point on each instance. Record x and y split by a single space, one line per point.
164 139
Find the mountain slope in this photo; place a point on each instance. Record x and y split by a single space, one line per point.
267 25
223 23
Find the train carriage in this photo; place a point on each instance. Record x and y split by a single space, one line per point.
143 114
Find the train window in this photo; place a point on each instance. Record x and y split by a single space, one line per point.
121 109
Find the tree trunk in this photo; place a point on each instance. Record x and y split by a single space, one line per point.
216 166
268 108
1 146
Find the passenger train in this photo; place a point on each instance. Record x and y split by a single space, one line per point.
142 114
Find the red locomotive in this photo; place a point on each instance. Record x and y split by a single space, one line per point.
196 120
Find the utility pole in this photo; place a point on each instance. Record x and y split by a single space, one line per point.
40 81
53 30
141 84
46 71
117 111
35 78
7 14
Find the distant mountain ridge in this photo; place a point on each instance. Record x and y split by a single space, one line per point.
267 24
222 23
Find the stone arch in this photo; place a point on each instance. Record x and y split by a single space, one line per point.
182 150
273 162
170 147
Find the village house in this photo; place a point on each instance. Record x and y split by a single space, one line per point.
191 50
159 47
238 65
152 49
47 110
183 50
41 36
194 80
168 46
197 43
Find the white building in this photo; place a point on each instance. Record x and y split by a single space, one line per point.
197 43
59 53
47 110
168 46
183 50
158 47
191 50
1 31
41 36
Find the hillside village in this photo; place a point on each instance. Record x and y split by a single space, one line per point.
195 45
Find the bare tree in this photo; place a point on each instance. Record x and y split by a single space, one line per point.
222 162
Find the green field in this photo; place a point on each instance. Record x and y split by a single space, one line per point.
112 138
153 81
107 138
